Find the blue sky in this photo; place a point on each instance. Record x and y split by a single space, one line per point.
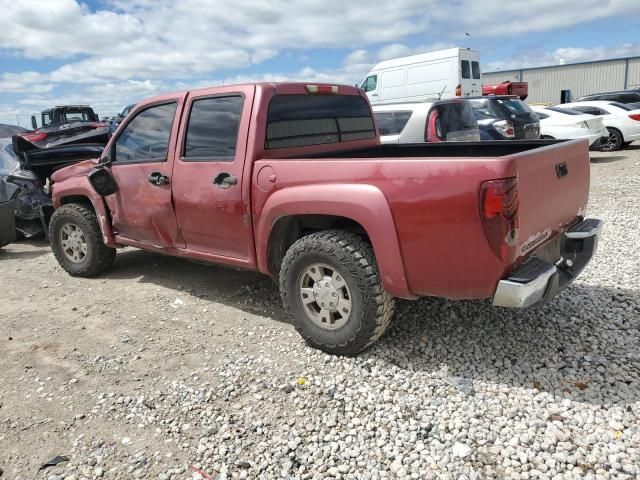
110 53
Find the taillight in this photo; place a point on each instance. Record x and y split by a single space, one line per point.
459 91
34 136
505 128
322 89
499 206
635 116
510 88
98 124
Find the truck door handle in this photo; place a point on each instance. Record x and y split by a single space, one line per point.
157 178
225 180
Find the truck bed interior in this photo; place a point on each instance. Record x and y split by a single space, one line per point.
498 148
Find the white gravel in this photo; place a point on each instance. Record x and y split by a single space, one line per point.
455 390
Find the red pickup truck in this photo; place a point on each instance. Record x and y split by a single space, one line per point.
521 89
290 179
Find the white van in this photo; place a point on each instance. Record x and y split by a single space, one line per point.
429 76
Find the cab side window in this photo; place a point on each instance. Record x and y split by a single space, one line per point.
146 137
212 131
370 84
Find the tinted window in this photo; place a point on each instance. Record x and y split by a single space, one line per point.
370 84
392 123
146 137
623 106
8 159
212 131
475 68
590 110
299 120
566 111
484 109
46 118
515 106
71 115
466 70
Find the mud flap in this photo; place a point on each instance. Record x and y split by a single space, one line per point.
7 223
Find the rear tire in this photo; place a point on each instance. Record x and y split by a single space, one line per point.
76 241
331 287
613 143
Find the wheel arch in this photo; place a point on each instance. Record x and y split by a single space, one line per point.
291 213
98 208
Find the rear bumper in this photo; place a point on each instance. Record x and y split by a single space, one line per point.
536 281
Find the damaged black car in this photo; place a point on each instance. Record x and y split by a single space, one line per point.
25 201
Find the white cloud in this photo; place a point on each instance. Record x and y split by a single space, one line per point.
130 49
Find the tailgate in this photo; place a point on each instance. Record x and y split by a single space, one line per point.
553 188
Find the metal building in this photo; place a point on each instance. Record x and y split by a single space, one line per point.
545 83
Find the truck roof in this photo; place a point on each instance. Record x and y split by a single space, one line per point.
280 87
421 57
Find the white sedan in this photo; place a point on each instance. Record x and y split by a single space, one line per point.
563 123
622 121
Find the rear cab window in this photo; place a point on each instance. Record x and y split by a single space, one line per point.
465 69
392 123
76 115
303 120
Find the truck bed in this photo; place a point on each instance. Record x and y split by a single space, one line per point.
434 192
496 148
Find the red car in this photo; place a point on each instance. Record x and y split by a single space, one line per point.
520 89
290 179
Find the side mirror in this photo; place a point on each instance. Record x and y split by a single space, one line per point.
34 124
102 182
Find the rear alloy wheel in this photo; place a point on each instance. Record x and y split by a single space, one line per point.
613 143
331 286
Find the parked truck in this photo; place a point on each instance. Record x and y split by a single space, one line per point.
291 179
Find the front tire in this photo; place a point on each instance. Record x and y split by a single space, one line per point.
331 287
613 143
76 241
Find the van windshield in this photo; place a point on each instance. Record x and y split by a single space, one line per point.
303 120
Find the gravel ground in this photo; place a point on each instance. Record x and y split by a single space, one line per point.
166 369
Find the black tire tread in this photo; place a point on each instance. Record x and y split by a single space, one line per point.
357 256
103 255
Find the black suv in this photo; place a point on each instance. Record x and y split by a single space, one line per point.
622 96
505 117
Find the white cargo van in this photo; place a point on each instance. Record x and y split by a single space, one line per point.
427 76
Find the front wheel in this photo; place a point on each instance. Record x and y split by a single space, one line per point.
613 142
331 287
76 241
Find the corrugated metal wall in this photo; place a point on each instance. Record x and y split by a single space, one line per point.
634 73
546 83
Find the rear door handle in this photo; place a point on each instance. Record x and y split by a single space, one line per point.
225 180
157 178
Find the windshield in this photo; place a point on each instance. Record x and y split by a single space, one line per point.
566 111
8 160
